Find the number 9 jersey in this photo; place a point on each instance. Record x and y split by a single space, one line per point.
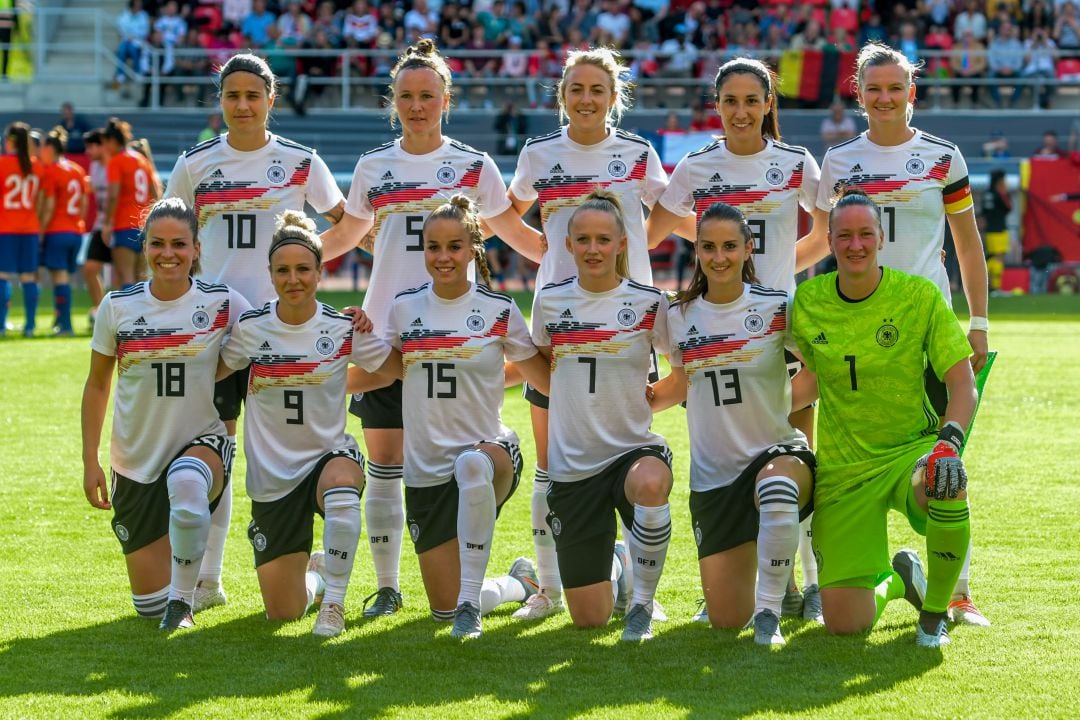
238 195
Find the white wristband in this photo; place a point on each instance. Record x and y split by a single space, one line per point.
979 323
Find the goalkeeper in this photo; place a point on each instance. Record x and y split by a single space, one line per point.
868 333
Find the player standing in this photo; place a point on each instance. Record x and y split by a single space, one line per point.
751 472
163 337
238 183
394 188
20 226
98 254
867 331
920 182
66 191
559 170
768 181
300 461
599 329
131 191
461 462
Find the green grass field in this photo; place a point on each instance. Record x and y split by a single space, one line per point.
71 647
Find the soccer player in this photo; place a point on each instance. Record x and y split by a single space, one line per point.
751 472
920 182
394 188
599 329
558 170
20 227
867 331
300 461
98 254
131 191
461 463
238 183
768 181
163 337
66 192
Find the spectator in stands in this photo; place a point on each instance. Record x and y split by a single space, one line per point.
838 126
316 67
520 25
234 11
581 17
196 65
1067 28
1040 14
391 27
1039 52
1005 57
515 63
134 27
873 31
421 22
672 125
613 23
294 23
328 23
997 147
968 62
453 27
547 26
513 129
212 129
495 24
938 11
478 68
1049 150
255 26
845 16
75 125
840 41
702 120
970 20
154 48
360 26
809 39
172 28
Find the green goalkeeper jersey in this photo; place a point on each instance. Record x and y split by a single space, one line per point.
870 357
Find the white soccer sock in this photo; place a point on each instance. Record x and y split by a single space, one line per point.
341 533
151 605
496 591
962 587
384 507
652 534
628 538
617 572
806 552
314 586
547 561
474 471
778 537
214 557
189 480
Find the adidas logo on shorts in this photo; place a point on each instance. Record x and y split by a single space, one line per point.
857 168
716 178
417 322
388 175
566 314
265 345
556 169
217 174
820 340
140 321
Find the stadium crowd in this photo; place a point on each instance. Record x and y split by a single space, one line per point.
529 39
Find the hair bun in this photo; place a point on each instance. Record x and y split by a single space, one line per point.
460 200
295 218
849 190
424 47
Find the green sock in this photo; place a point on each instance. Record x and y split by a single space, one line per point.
890 587
948 531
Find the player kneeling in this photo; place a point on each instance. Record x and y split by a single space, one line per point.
868 332
300 461
751 472
169 455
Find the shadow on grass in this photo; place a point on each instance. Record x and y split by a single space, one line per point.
522 670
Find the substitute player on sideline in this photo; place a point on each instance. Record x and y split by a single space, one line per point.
66 193
599 329
867 331
238 183
559 170
751 472
299 459
461 463
920 182
394 188
169 455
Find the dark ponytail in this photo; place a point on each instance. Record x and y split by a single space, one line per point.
699 283
19 134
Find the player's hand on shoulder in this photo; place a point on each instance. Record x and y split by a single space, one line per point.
361 323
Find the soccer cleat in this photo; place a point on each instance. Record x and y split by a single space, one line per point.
658 612
793 602
907 565
638 624
962 611
208 596
702 614
538 606
524 572
330 621
936 639
177 616
767 628
622 586
387 602
466 622
811 609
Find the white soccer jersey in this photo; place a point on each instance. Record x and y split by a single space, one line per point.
915 184
238 196
560 172
166 358
601 351
296 392
768 187
99 182
453 354
399 190
739 395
